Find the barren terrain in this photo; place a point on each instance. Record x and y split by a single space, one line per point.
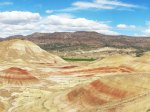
33 80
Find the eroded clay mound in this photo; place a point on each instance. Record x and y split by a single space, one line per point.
23 51
85 96
139 64
112 94
17 76
96 94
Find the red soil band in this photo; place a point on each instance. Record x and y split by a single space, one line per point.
104 70
18 78
15 73
103 88
86 75
15 70
68 67
85 96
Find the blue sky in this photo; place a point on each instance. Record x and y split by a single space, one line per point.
113 17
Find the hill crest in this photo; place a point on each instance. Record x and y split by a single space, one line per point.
18 50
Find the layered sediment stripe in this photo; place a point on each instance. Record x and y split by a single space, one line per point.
17 76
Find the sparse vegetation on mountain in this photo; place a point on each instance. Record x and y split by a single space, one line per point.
82 40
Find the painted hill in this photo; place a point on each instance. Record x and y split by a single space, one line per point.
110 94
116 60
19 51
17 76
139 64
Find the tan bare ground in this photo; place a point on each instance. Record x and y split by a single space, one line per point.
113 84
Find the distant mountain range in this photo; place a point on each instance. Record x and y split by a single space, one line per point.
82 40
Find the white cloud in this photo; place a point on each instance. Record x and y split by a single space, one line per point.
148 23
147 32
147 29
18 17
6 3
16 23
101 4
49 11
116 3
124 26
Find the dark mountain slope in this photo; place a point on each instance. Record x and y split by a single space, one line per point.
68 41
